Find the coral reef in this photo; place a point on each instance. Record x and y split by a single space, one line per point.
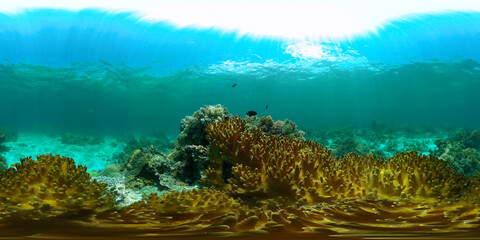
260 184
379 139
260 181
461 151
52 186
275 171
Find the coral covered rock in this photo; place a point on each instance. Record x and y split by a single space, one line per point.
191 160
3 163
189 153
285 128
146 166
461 151
192 128
51 186
134 143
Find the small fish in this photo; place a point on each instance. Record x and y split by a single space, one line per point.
234 85
266 107
251 113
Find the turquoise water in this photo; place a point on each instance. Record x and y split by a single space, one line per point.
130 99
100 72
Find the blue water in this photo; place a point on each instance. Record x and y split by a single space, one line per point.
112 72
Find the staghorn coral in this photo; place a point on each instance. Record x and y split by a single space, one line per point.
49 187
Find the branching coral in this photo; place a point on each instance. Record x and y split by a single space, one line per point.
51 186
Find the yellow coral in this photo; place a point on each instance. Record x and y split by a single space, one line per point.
267 167
50 186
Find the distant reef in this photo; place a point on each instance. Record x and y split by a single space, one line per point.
243 177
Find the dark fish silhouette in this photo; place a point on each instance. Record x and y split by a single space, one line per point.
251 113
266 107
234 85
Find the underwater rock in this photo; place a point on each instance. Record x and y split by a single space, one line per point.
266 124
191 160
3 163
146 164
133 143
348 144
192 128
147 168
116 185
189 152
473 140
113 170
80 139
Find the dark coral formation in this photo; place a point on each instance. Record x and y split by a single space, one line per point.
52 186
190 152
